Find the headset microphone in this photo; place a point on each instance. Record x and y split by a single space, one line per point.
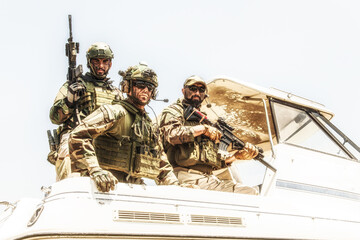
161 100
208 105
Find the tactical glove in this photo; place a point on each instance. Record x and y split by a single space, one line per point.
75 91
247 153
104 179
213 133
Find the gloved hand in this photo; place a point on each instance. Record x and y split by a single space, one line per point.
104 179
75 91
247 153
213 133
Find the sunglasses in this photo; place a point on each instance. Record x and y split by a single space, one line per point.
194 88
143 85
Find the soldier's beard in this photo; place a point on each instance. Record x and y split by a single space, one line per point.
97 76
194 102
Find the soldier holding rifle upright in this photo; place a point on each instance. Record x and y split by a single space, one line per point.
80 96
192 146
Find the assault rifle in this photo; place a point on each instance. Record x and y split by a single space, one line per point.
71 50
227 136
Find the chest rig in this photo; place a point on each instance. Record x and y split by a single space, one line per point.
97 94
134 149
201 152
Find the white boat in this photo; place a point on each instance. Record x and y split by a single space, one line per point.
310 189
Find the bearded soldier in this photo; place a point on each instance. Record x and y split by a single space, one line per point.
126 144
88 93
192 147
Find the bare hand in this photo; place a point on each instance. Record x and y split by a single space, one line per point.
213 133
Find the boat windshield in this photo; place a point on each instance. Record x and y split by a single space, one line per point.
310 130
346 142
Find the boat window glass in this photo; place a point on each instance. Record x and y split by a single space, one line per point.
338 136
297 127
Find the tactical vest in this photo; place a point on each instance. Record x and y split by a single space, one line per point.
202 151
135 152
95 96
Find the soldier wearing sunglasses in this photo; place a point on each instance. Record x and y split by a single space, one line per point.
126 144
191 147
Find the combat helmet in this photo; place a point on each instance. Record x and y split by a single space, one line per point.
98 50
140 72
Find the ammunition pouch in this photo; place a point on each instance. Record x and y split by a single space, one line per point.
96 96
136 153
104 96
126 156
202 151
146 163
113 154
85 102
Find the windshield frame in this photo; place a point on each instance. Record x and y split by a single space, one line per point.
314 114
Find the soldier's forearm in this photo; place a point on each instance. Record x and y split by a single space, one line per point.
179 135
168 179
198 130
60 112
83 153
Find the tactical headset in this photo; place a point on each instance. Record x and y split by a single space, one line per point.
126 85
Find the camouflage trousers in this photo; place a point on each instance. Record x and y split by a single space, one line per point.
220 180
63 162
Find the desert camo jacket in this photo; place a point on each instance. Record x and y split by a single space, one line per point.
172 125
107 120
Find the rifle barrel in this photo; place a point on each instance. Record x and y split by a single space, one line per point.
70 27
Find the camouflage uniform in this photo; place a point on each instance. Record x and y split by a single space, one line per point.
120 141
98 91
195 159
125 143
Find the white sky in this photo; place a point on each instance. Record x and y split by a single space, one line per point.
309 47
